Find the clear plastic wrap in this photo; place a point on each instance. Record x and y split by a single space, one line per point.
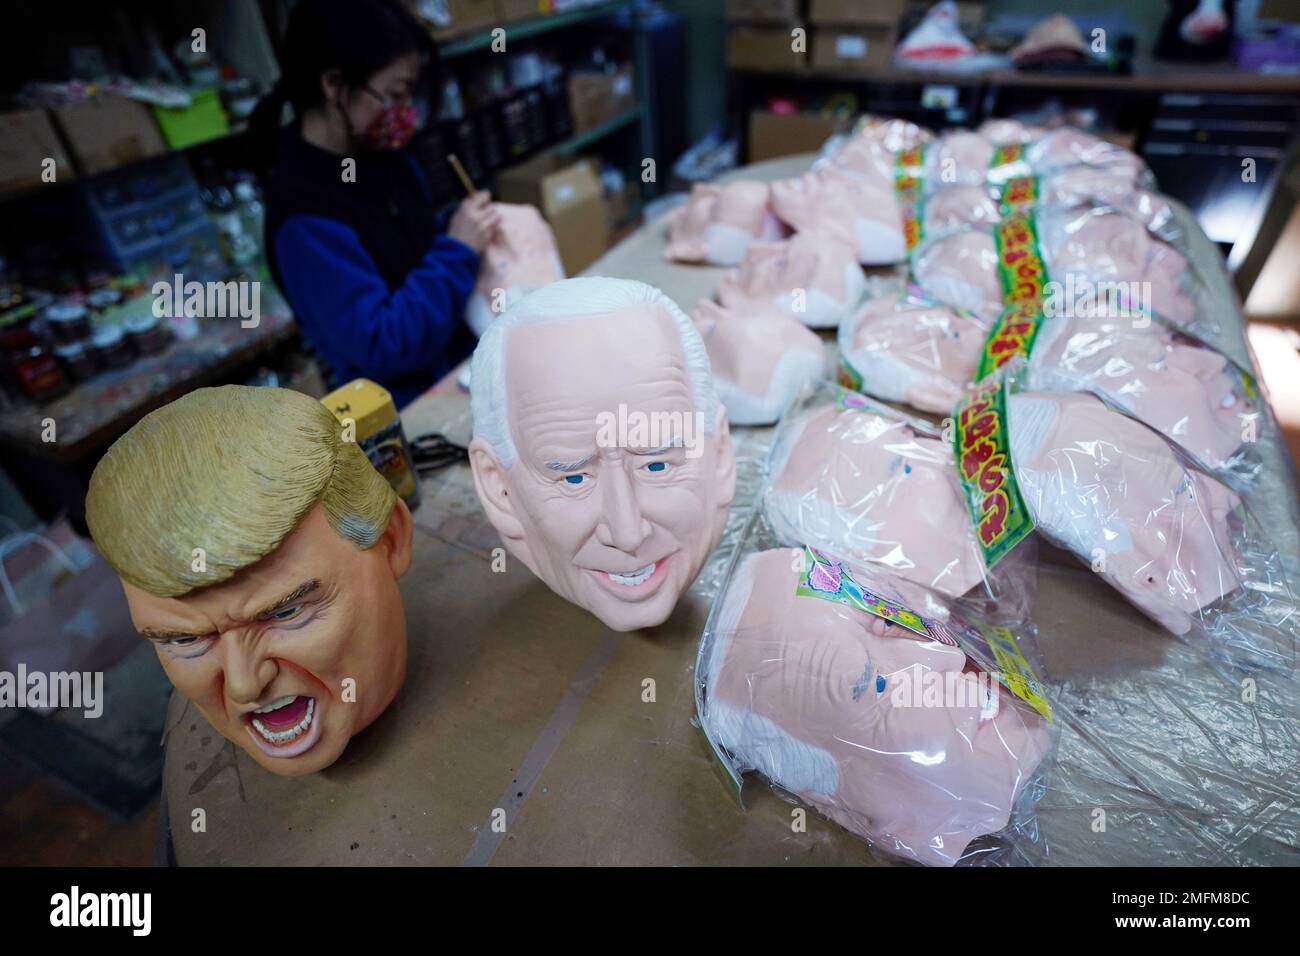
1177 543
930 738
1089 260
907 348
876 486
968 158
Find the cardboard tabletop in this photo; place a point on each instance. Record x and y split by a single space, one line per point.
523 709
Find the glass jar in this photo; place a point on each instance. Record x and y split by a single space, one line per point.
68 322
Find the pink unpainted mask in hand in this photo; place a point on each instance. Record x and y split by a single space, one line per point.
860 213
718 222
810 277
810 693
913 351
761 361
869 488
521 257
601 453
1116 494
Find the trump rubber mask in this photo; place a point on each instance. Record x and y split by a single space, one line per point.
266 574
601 453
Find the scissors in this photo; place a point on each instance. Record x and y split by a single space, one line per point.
434 451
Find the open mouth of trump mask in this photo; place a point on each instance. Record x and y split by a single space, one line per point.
601 453
260 552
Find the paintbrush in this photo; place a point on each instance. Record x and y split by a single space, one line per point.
461 174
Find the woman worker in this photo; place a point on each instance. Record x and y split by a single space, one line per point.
350 224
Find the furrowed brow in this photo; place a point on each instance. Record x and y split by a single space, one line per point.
297 594
154 634
675 443
568 466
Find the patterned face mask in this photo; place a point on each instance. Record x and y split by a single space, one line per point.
392 127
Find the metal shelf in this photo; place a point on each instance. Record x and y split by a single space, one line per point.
523 29
583 140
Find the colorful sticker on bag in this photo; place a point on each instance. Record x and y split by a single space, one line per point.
1015 672
1019 192
909 171
824 577
983 449
913 224
1021 269
1012 334
1007 162
848 377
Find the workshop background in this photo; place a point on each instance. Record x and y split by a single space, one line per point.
152 175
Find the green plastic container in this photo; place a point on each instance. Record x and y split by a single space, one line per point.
202 120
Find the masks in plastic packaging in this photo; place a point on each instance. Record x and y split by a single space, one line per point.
761 361
1191 394
809 277
1177 543
718 222
967 158
812 671
909 349
1090 256
878 487
521 257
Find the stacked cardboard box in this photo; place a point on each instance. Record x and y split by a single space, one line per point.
849 35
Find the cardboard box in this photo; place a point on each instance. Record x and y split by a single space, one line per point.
27 139
763 11
465 16
854 49
508 11
763 48
596 98
109 131
569 197
885 12
789 134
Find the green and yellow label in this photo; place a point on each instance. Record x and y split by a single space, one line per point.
1012 334
1007 162
913 228
983 449
909 171
1019 192
1021 269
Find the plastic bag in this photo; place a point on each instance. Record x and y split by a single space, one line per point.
1082 260
1178 544
909 349
929 738
876 486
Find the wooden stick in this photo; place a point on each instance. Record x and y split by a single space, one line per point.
461 174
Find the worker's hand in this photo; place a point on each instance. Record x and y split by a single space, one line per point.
475 221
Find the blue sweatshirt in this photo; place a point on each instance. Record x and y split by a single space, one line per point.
398 338
374 286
